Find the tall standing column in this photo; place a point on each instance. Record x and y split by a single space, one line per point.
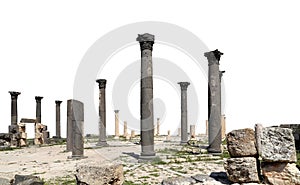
38 100
125 133
13 129
147 125
214 103
184 123
102 113
117 134
57 106
14 107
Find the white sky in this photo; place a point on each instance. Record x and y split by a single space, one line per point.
43 42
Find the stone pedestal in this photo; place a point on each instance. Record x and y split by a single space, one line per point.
117 134
193 131
57 107
147 125
214 102
102 113
184 124
38 100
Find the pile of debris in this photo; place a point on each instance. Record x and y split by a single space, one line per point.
264 155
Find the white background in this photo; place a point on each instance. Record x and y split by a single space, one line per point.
43 42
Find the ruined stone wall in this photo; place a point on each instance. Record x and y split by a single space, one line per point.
265 155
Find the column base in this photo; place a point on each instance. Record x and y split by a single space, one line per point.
214 151
77 157
116 137
183 142
147 157
102 143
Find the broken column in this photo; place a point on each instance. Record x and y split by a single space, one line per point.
69 125
184 124
179 131
147 126
14 128
223 125
57 106
102 113
214 102
132 134
125 129
157 126
193 131
75 139
117 134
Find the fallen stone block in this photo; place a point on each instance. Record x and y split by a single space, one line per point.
277 145
27 180
179 181
281 173
241 170
95 174
241 143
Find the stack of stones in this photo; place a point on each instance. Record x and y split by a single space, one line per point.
296 133
268 155
39 139
23 134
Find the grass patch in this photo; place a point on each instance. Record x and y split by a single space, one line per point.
225 154
67 180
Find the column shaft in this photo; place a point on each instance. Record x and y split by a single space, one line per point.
38 109
214 116
57 116
184 123
102 113
147 121
14 107
117 134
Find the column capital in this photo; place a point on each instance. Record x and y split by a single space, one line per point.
184 85
221 74
38 98
213 57
116 111
14 94
58 102
146 41
102 83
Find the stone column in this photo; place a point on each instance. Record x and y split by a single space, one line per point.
179 131
13 129
214 103
14 107
76 121
193 131
157 127
132 134
223 124
147 123
184 123
38 114
117 134
125 129
57 106
102 113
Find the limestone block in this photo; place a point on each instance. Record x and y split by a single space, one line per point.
96 174
281 173
23 135
241 143
23 142
278 145
241 170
